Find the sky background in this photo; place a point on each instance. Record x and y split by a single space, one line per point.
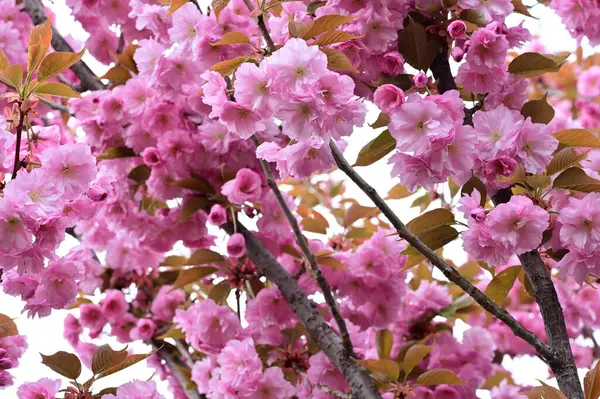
45 335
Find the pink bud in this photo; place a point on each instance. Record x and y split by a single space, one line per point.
151 157
5 364
236 246
457 29
420 80
457 54
97 193
218 215
144 330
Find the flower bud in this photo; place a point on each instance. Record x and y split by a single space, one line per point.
218 215
457 29
457 54
97 193
236 246
420 80
151 157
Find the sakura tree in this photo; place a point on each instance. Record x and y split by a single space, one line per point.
199 177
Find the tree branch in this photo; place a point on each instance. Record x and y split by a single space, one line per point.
260 21
451 274
168 353
329 342
563 362
89 80
301 241
17 164
442 72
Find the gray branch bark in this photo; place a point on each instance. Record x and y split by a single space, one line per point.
330 343
86 76
451 274
563 362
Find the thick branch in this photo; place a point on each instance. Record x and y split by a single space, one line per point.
329 342
448 271
168 353
563 362
88 79
310 258
441 71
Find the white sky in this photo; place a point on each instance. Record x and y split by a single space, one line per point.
45 335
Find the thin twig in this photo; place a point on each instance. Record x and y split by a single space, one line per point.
19 129
301 241
168 353
451 274
330 343
56 106
260 21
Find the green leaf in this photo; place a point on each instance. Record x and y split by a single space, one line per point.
376 149
8 328
220 292
326 23
475 183
338 61
195 183
545 392
356 212
191 206
232 38
591 383
173 332
4 62
385 340
151 205
218 6
176 5
576 179
203 256
331 262
577 138
312 7
335 36
56 89
564 159
106 357
434 239
385 367
130 360
382 121
140 173
39 43
12 76
416 46
398 192
117 152
521 8
439 377
228 67
58 62
194 274
117 75
474 17
534 64
315 225
414 356
64 363
498 289
538 110
430 221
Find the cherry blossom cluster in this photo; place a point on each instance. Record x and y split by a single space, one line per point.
36 209
11 350
579 18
